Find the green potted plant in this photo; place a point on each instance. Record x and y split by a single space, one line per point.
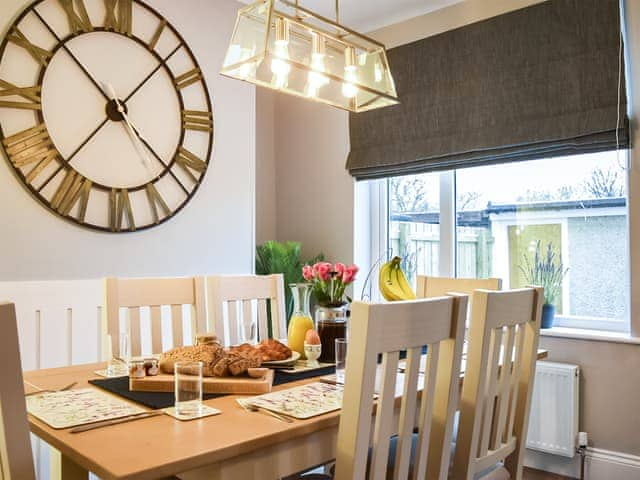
282 257
545 272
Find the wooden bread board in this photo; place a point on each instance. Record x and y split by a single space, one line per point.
238 385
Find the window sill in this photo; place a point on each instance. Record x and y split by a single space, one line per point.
584 334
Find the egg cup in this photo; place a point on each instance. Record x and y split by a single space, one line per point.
312 352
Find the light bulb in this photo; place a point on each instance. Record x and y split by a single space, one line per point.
349 89
316 79
378 74
280 67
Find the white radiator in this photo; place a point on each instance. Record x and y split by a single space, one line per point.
553 424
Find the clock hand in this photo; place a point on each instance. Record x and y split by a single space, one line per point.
133 132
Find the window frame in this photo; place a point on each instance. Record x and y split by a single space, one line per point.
379 242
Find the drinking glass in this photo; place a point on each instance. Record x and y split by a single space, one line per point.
341 359
188 388
125 347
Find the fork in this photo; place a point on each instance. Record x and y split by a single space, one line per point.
250 407
48 390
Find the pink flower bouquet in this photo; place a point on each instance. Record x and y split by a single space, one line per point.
330 281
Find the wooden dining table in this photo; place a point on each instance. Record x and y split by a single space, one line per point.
237 444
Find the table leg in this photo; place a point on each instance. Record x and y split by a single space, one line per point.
63 468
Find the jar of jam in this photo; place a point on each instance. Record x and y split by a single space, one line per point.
136 369
151 367
206 339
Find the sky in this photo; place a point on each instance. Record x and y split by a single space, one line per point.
505 183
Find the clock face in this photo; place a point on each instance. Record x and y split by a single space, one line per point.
104 113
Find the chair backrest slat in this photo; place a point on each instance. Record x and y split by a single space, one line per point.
502 406
388 329
238 306
515 381
426 412
491 387
133 294
384 417
496 393
16 461
407 414
156 328
177 324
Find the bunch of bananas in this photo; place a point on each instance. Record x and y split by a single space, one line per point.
393 283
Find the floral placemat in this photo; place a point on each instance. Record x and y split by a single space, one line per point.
302 402
71 408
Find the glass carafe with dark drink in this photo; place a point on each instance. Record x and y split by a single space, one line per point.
331 323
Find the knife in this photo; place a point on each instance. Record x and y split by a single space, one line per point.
115 421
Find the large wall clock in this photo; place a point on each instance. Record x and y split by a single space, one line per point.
105 115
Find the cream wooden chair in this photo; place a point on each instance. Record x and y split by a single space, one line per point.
238 304
16 461
428 287
387 329
134 294
496 392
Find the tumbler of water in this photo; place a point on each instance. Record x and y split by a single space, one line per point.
188 388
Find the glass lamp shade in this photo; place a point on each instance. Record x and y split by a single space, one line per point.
279 45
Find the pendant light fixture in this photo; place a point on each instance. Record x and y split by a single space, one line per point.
280 45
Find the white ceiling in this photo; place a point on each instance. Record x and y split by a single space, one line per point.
368 15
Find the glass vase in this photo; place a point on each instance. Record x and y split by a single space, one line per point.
332 324
301 320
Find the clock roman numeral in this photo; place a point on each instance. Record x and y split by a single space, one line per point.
41 55
188 78
188 161
197 120
31 146
64 189
119 207
31 94
74 188
156 200
156 36
119 14
77 15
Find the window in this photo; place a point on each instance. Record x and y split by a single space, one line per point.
414 222
500 215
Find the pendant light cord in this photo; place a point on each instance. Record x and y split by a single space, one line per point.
337 9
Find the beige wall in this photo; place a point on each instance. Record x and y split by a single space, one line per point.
213 233
265 166
314 194
314 191
455 16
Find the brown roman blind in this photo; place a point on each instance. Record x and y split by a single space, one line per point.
538 82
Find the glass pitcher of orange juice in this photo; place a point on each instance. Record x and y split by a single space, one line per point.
300 320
